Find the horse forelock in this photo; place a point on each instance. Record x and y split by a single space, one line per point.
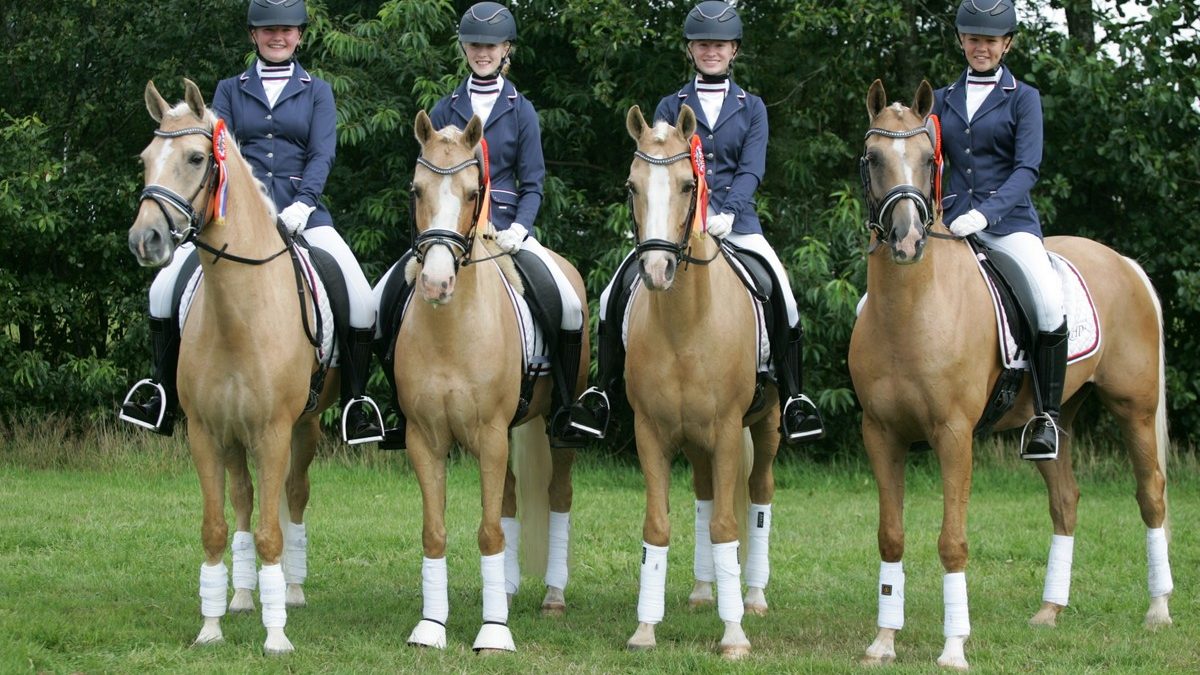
661 130
896 117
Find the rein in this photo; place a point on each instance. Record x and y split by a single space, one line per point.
680 249
879 212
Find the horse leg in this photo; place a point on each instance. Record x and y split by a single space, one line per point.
953 447
494 635
727 474
887 463
765 435
295 538
656 534
429 463
273 459
214 578
512 536
702 557
245 569
1063 493
561 496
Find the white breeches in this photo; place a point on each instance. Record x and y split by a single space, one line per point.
1029 252
756 243
362 300
572 308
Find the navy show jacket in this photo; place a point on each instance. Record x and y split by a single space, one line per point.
995 158
291 146
514 141
735 150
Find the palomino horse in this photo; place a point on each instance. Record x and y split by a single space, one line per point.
690 374
245 359
924 356
458 377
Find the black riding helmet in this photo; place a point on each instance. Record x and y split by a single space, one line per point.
276 13
487 23
986 17
713 20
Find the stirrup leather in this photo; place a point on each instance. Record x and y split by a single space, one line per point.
378 418
1039 456
162 410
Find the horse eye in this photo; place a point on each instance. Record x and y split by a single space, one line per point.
474 195
196 158
688 186
630 187
414 191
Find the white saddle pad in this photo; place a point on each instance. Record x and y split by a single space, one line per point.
1083 323
326 354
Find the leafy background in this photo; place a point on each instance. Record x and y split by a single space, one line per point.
1122 159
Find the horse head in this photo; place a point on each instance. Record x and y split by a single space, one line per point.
448 203
899 168
662 194
180 176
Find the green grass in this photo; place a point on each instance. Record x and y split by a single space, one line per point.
100 552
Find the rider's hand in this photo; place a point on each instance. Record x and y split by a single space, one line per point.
510 240
295 217
719 224
968 223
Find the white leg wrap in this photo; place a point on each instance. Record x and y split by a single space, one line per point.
556 557
245 573
272 593
954 595
1158 566
1058 570
435 589
729 581
758 562
652 594
295 554
214 590
512 560
891 595
495 600
702 559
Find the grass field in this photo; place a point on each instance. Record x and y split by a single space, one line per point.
100 552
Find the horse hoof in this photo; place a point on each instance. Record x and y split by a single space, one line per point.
554 609
243 601
756 601
735 652
953 663
642 639
701 595
700 603
203 641
1046 616
1158 616
871 661
554 604
428 634
295 596
210 633
277 643
494 638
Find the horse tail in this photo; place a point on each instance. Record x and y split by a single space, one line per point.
529 453
1162 439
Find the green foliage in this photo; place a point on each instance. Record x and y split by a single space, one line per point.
1122 162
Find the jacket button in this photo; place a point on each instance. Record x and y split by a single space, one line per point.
968 149
269 117
273 136
710 137
708 156
968 170
709 172
968 129
269 174
271 155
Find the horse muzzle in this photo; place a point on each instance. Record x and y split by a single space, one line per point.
152 245
907 242
436 278
657 270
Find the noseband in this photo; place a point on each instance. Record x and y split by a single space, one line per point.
163 196
677 249
879 212
459 245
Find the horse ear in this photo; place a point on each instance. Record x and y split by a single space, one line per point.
876 99
195 100
635 123
686 123
422 128
923 100
473 132
155 103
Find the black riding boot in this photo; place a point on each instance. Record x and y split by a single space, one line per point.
395 426
157 411
1049 372
565 370
800 421
361 421
590 414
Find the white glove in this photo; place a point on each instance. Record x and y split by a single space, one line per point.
510 240
295 217
720 224
968 223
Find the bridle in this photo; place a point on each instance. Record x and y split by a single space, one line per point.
879 212
680 248
163 197
460 245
